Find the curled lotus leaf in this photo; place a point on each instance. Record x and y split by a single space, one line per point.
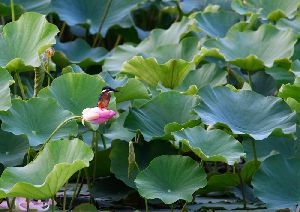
30 43
238 110
253 50
212 145
44 176
153 117
268 10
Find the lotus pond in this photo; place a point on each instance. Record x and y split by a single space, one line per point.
153 105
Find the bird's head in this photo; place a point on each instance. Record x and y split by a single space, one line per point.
108 89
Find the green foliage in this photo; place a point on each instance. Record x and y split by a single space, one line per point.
206 102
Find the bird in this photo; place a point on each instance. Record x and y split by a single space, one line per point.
104 97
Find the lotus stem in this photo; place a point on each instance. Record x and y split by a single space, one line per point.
183 207
80 187
88 183
103 141
180 13
12 7
53 205
242 188
58 128
37 79
19 82
102 22
250 80
95 141
27 204
146 204
63 27
7 202
2 20
254 152
75 190
65 196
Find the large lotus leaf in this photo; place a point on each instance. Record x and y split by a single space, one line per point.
171 178
188 6
37 118
117 131
12 148
5 81
286 23
253 50
169 74
239 112
216 24
43 177
20 45
156 39
90 13
208 74
271 10
133 89
75 91
79 52
277 182
152 117
40 6
144 153
213 145
273 145
282 75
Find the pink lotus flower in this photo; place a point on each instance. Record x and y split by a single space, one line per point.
97 115
38 205
21 204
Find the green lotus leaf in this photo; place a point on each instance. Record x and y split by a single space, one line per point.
273 145
208 74
213 145
169 74
44 176
30 43
5 81
268 10
39 6
37 118
239 112
133 89
277 182
156 39
295 68
87 207
290 92
216 24
188 6
253 50
220 182
13 148
282 75
166 108
75 91
171 178
144 153
79 52
286 23
81 12
117 131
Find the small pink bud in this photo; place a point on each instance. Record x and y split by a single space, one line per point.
97 115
